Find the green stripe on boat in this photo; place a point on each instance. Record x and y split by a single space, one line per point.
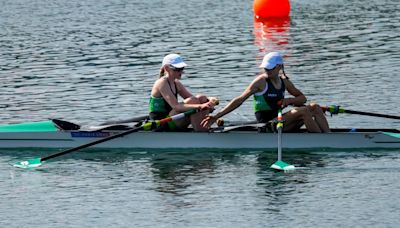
41 126
396 135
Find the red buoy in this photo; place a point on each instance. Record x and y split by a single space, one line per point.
271 8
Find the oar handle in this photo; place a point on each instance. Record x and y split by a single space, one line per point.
279 125
280 118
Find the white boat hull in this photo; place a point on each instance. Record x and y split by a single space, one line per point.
226 140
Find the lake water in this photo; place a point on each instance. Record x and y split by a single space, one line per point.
94 61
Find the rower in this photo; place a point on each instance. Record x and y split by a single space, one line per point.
164 97
268 88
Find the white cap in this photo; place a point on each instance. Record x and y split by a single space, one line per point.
175 60
271 60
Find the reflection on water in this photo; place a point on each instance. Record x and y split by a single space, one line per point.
272 34
181 172
191 183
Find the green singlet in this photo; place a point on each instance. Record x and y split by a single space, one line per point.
265 103
158 104
160 109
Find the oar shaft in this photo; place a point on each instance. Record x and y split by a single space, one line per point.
279 164
92 143
372 114
279 144
279 127
146 126
334 109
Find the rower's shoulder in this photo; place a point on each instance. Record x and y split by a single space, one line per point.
258 84
262 74
161 81
261 77
284 77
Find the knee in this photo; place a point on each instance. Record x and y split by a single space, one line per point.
314 108
302 112
192 100
199 99
202 99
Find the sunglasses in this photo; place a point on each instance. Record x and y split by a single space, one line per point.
271 68
177 69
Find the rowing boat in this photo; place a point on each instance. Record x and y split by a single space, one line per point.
63 134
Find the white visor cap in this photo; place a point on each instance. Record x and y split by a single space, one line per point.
271 60
174 60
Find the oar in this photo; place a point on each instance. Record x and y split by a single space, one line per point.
146 126
279 164
336 109
134 119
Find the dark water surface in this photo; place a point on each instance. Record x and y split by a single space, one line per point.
94 61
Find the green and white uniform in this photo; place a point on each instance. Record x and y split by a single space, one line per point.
265 103
160 109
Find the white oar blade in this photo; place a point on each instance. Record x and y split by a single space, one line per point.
33 163
282 166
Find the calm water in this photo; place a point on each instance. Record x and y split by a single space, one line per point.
93 61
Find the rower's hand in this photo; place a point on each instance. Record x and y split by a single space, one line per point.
214 101
286 102
207 106
208 121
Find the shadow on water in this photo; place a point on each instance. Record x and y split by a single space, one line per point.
175 171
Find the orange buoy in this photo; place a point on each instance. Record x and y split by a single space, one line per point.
271 8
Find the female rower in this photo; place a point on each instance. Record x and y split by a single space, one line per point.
268 89
164 97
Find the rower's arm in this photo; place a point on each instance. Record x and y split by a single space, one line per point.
167 94
298 98
170 98
182 91
237 101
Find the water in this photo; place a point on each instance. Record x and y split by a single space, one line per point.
94 61
207 189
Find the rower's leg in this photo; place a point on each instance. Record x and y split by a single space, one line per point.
195 119
319 117
182 123
295 116
202 99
